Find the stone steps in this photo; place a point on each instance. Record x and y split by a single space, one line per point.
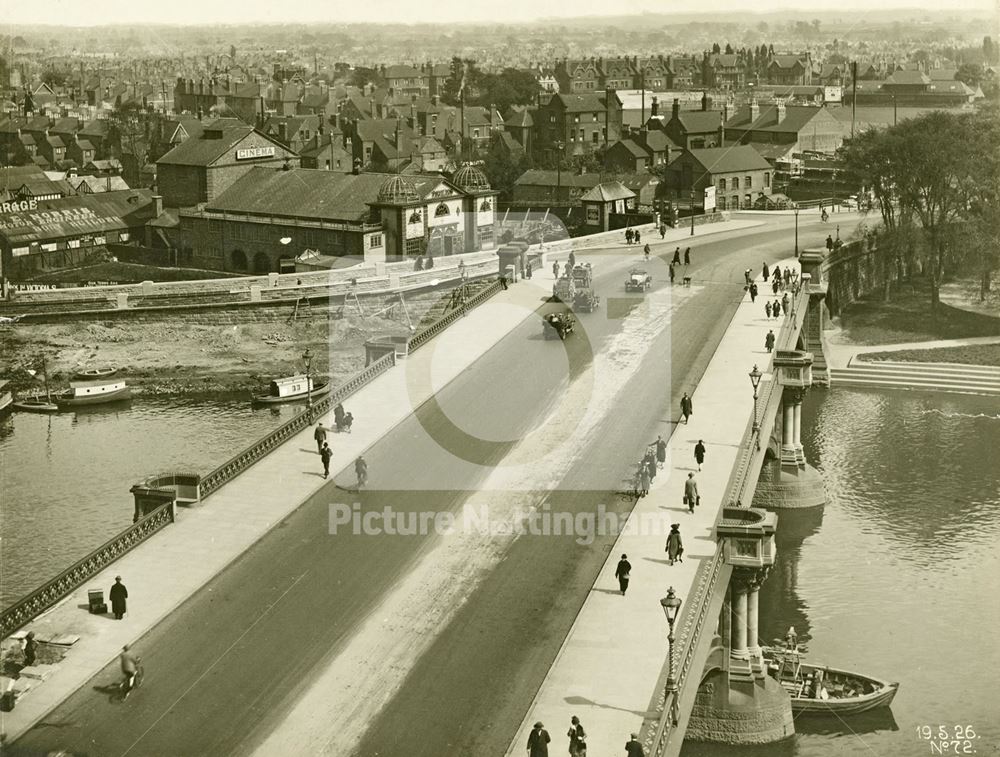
941 377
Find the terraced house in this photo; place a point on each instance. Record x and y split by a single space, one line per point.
580 122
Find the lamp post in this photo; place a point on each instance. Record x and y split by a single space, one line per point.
307 356
671 605
692 210
560 145
755 376
796 206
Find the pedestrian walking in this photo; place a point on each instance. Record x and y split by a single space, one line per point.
622 573
673 273
503 281
788 275
628 236
320 436
661 451
633 747
538 741
747 277
663 230
687 407
769 340
361 471
765 272
577 737
31 649
699 453
527 269
677 257
767 308
555 269
118 596
829 242
643 481
775 285
687 256
753 292
572 260
325 454
691 496
651 465
638 237
645 251
784 304
675 547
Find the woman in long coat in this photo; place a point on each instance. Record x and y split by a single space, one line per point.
675 547
699 453
644 481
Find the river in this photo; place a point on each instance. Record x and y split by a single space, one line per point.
65 478
897 575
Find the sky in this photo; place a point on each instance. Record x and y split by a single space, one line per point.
96 12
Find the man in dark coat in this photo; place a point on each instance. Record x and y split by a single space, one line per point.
572 260
829 242
699 453
31 646
320 436
687 256
555 269
638 237
687 407
767 308
753 292
633 748
325 454
769 340
677 257
628 236
118 595
663 230
691 492
784 304
765 272
673 273
622 573
538 741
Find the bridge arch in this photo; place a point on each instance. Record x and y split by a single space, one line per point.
238 260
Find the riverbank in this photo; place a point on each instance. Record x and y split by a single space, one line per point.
968 354
159 359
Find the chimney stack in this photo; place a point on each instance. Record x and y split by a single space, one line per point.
754 110
781 111
157 206
675 111
706 101
654 109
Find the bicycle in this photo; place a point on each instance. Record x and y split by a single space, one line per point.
132 682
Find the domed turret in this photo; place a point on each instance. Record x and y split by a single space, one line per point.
397 191
471 179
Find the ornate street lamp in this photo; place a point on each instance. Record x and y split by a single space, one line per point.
796 206
560 146
307 356
755 376
671 605
692 210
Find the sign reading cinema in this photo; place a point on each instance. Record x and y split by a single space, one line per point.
255 152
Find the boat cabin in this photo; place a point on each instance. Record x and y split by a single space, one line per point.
84 389
291 386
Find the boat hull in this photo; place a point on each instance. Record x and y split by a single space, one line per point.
96 373
98 399
6 403
36 406
878 694
317 391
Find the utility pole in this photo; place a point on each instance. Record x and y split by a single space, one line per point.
854 97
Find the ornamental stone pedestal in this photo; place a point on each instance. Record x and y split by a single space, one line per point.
791 482
737 702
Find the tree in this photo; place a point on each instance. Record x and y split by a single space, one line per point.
503 169
360 76
729 49
970 73
715 48
989 50
510 87
128 129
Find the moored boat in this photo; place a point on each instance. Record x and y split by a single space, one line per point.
93 393
6 398
820 689
36 405
92 374
293 389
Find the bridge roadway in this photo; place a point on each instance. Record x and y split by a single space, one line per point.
308 644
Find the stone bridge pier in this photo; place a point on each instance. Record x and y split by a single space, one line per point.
737 702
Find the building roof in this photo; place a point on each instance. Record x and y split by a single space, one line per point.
797 117
78 216
787 61
632 147
609 191
580 103
770 151
402 72
210 145
519 116
728 159
908 77
942 74
538 177
700 121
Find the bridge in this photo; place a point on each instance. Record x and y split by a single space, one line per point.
265 486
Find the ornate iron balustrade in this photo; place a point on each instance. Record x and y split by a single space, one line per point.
41 599
425 335
262 447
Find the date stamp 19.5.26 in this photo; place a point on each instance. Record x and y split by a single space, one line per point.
949 739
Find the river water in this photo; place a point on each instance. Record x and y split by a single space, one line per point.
65 478
897 575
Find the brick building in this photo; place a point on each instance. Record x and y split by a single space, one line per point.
580 122
201 168
739 175
800 126
694 129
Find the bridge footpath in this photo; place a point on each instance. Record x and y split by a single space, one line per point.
164 571
609 671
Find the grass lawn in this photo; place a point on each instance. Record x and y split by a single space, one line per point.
907 318
975 354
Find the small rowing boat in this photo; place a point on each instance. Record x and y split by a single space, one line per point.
93 374
820 689
6 398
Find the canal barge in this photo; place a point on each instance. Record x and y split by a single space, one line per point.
821 690
83 393
293 389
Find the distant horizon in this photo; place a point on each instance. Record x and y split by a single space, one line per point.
182 13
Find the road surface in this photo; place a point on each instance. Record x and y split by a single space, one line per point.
228 667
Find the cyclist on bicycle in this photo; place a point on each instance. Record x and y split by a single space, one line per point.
130 666
361 469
